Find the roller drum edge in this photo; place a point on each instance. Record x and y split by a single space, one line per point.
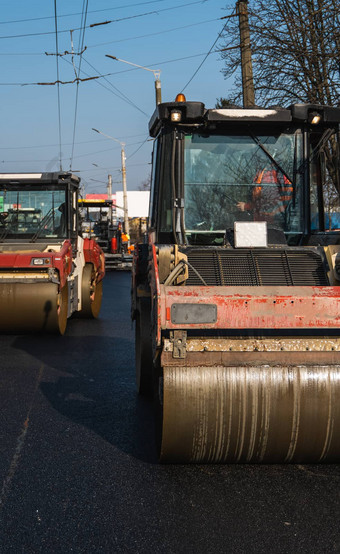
92 293
249 414
32 307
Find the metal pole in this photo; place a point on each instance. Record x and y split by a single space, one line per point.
158 90
125 204
246 63
109 197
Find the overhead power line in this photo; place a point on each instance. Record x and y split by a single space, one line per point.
137 149
122 95
156 33
123 70
92 25
66 143
107 168
75 80
78 13
140 143
81 50
208 53
119 94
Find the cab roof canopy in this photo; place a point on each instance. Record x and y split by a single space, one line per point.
93 203
57 177
194 113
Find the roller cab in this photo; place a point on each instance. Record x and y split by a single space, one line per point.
236 296
47 270
97 222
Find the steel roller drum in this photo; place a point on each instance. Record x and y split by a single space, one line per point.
32 307
250 414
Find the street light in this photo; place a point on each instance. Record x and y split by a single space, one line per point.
122 144
156 73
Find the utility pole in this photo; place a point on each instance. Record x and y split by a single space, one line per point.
125 204
246 63
109 197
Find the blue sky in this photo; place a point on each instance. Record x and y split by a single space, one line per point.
174 38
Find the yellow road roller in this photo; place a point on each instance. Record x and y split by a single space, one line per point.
236 293
47 270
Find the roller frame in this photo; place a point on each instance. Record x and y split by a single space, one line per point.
31 298
292 381
241 374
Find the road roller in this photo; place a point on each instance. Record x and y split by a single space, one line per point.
236 291
47 270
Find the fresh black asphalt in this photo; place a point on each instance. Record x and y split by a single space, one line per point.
78 467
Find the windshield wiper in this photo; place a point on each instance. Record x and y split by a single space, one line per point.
4 234
44 221
295 170
324 138
268 154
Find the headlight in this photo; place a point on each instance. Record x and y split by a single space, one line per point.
40 261
314 118
176 115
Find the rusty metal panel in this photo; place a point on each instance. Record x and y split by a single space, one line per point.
229 358
155 291
193 312
258 307
265 344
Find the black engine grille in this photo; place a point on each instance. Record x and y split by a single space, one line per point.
258 267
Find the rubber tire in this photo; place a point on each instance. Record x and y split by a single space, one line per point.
92 294
143 348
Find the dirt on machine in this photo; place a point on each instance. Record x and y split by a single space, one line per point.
236 293
48 271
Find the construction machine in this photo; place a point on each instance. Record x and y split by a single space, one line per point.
47 270
98 222
236 294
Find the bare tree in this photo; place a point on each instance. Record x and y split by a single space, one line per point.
296 56
295 48
145 184
225 103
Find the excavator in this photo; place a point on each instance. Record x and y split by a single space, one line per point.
236 292
48 271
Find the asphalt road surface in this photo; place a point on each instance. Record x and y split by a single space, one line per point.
78 468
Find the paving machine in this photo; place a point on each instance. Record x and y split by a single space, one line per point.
47 270
236 296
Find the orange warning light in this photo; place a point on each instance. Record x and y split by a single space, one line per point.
180 98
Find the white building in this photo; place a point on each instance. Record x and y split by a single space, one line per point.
137 200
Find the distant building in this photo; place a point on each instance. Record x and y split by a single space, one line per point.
96 197
138 202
